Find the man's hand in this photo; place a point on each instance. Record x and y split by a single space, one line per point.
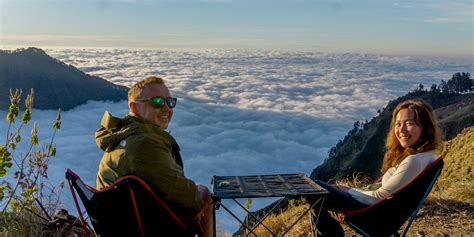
205 216
204 193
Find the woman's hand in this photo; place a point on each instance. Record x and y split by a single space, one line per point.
374 186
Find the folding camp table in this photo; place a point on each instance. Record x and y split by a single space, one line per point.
261 186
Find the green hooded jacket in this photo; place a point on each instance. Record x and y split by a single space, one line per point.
133 146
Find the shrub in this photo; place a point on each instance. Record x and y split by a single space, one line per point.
22 196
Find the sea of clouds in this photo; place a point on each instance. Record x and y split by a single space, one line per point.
240 112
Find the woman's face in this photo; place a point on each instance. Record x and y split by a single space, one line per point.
406 130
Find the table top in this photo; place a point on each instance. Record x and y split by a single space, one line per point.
277 185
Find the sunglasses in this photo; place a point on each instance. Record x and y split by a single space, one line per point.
158 102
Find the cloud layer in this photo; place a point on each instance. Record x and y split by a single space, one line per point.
241 112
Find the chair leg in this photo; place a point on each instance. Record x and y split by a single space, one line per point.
413 216
83 222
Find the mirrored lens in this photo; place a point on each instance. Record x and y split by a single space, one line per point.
157 102
171 102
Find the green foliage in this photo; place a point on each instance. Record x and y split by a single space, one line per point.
34 135
57 121
29 106
5 164
459 82
248 203
14 108
29 167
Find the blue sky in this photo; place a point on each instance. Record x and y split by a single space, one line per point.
416 27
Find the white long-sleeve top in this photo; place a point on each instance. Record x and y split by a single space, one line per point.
395 178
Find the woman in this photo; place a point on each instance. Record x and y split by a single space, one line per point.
411 144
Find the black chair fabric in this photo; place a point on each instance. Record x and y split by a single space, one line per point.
388 215
112 210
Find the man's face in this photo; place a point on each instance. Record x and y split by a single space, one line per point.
161 116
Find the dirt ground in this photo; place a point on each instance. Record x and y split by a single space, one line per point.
440 218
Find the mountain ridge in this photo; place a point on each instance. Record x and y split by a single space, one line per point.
56 84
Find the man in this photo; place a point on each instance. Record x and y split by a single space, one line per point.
139 145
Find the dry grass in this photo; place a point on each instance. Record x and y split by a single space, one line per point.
280 223
439 217
358 180
25 225
457 179
444 217
29 224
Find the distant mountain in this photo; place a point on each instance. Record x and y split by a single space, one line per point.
56 84
363 147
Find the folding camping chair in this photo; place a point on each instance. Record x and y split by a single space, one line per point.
128 207
387 216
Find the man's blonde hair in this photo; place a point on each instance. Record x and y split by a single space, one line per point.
136 89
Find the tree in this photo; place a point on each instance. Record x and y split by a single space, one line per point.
460 82
444 87
434 88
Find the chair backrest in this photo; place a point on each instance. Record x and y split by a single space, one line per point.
128 207
389 214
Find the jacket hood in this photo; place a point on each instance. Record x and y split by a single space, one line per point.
113 130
